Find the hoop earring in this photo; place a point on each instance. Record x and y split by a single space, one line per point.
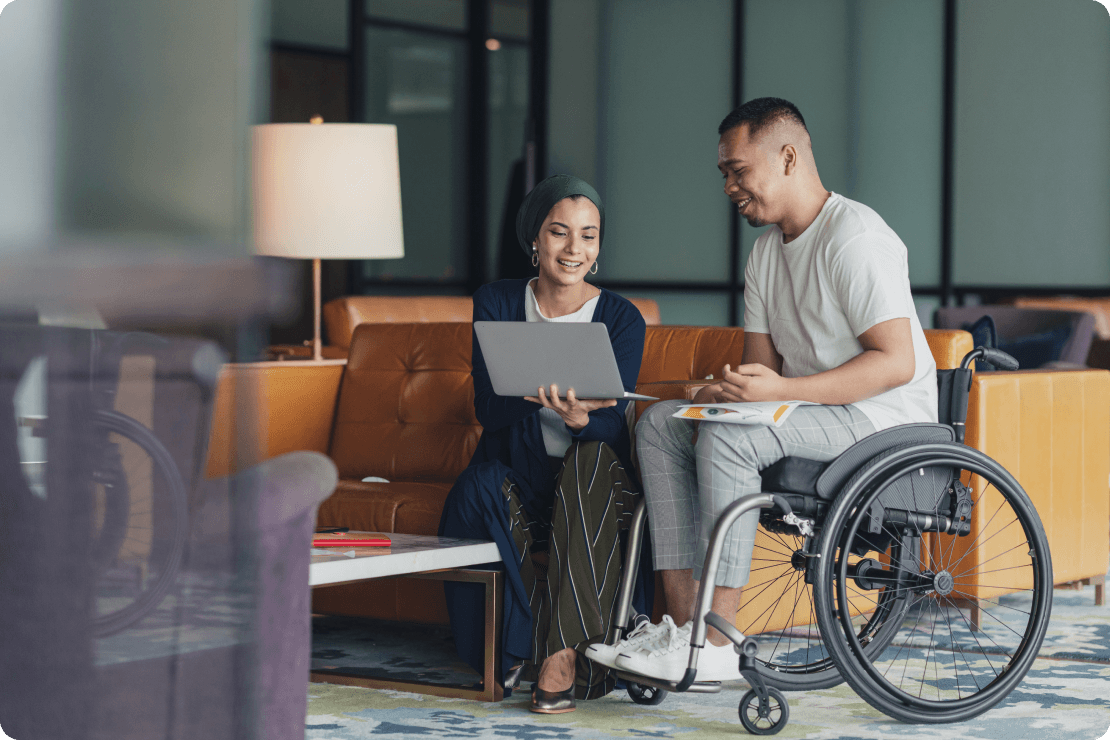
535 258
593 270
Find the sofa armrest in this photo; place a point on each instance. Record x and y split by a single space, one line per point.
1051 430
281 352
266 409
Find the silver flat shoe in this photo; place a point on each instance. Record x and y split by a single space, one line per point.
552 702
512 678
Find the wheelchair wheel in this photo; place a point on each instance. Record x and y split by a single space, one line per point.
795 658
647 695
139 524
759 720
978 603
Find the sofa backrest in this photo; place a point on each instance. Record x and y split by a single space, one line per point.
696 352
689 352
406 403
342 315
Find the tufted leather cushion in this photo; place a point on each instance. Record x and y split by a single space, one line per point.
406 405
398 506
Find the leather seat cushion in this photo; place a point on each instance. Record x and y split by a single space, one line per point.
793 475
407 507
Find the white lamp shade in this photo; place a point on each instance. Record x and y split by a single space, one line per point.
327 191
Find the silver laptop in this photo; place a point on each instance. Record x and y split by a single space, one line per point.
522 356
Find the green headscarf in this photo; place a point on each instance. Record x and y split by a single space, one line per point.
539 202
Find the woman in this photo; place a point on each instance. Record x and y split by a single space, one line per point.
548 479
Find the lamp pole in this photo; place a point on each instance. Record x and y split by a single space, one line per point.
316 299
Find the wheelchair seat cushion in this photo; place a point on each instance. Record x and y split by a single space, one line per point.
792 475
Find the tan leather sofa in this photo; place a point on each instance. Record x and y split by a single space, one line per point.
342 315
402 409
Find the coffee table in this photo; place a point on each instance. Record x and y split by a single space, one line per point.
420 556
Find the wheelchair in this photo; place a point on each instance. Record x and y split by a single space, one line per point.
911 566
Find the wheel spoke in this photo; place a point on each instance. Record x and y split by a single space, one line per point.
903 645
984 611
774 606
955 667
986 527
996 557
790 621
982 651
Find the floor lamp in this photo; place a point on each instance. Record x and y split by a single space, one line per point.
326 191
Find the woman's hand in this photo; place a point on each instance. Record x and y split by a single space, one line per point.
573 410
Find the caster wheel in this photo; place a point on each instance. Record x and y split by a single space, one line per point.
764 721
647 695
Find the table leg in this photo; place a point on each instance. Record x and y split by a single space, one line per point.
491 689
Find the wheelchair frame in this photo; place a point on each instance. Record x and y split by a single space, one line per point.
859 520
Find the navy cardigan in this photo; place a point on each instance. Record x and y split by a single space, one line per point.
511 426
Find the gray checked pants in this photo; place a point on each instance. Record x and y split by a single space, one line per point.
688 484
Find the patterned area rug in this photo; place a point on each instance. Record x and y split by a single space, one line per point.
1065 695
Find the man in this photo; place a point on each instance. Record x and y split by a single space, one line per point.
828 318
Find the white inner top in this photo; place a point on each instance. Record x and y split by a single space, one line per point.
847 272
556 435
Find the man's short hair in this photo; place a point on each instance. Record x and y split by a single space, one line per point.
761 113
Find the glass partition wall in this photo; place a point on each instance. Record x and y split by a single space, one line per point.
914 106
455 76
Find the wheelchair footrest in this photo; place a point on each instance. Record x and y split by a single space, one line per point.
698 687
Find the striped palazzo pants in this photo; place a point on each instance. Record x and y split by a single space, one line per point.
571 568
562 571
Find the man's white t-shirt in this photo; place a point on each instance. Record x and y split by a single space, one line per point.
556 436
847 272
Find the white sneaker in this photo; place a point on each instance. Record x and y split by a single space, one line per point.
665 657
718 663
668 657
604 654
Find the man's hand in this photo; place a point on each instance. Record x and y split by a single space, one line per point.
715 393
754 382
574 411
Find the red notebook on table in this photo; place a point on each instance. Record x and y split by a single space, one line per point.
360 540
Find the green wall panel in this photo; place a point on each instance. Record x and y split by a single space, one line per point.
867 76
1032 186
666 84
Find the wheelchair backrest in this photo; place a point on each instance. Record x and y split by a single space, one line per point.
953 387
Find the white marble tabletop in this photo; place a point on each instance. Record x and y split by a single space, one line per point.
407 553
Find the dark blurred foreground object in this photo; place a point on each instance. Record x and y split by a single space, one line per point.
1034 337
223 650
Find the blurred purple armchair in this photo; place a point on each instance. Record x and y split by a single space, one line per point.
225 653
1034 336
